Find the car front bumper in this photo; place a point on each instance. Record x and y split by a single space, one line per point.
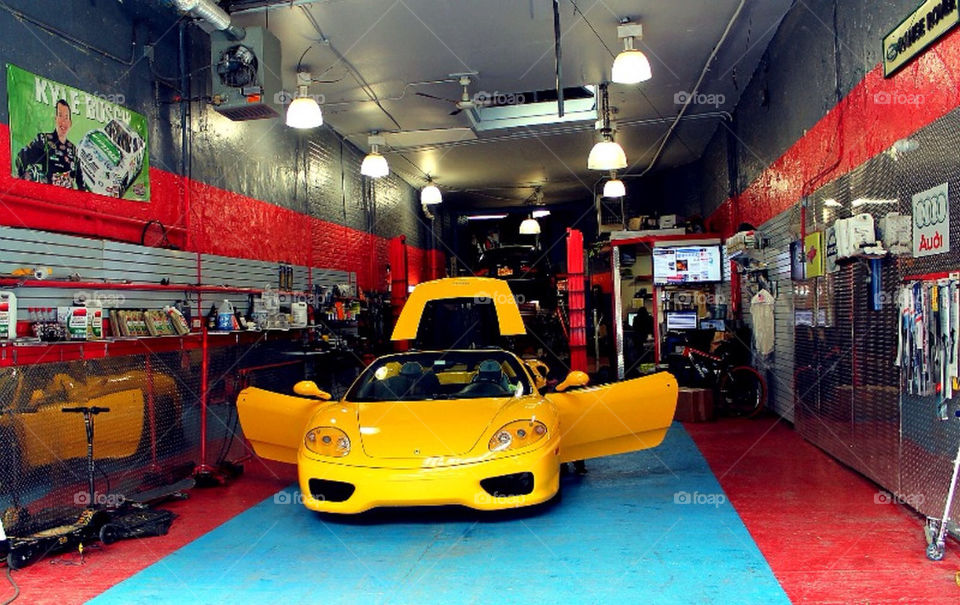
432 485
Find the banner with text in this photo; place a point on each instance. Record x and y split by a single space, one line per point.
80 140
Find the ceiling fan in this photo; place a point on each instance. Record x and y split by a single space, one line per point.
465 101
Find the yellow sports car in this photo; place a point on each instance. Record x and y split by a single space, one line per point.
468 427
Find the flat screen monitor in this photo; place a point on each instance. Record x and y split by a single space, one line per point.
712 324
687 265
681 320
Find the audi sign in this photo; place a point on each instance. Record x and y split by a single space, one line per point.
931 221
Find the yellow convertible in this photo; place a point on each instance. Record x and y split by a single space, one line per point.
461 426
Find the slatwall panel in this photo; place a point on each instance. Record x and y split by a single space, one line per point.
777 368
65 254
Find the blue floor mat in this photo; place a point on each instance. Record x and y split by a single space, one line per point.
652 527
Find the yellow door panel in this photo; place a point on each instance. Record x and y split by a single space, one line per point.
275 424
615 418
495 290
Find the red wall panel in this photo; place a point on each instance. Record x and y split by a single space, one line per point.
204 219
876 113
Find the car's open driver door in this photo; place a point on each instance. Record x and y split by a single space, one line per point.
615 418
274 424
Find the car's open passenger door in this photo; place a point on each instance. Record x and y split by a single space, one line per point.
615 418
275 424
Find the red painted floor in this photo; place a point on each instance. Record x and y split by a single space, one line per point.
817 522
61 580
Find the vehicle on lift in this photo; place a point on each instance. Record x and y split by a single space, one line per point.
527 270
111 158
462 426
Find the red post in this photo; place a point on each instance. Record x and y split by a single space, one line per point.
576 300
399 280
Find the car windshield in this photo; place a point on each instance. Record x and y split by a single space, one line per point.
441 375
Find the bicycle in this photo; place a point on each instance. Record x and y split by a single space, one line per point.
739 390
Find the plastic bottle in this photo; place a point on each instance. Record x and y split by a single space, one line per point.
225 316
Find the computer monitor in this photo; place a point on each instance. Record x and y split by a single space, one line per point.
712 324
681 320
630 318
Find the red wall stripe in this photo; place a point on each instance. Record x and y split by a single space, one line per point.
875 114
220 222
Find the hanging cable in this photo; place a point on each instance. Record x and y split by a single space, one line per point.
696 88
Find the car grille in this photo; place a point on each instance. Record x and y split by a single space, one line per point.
515 484
330 491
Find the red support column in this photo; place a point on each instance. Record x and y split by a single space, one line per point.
576 300
399 280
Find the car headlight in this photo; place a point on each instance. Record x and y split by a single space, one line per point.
327 441
517 434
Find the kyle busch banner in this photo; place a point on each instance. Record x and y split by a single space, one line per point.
75 139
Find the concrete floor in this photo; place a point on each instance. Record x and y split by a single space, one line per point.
733 511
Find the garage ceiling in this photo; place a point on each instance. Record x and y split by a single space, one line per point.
382 47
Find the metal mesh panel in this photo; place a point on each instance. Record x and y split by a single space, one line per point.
144 440
847 389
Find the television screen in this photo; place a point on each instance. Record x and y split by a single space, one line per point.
686 265
681 320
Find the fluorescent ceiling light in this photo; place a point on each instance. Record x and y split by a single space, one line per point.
530 226
540 213
614 188
631 66
430 195
486 217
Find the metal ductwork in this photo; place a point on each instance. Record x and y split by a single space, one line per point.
212 15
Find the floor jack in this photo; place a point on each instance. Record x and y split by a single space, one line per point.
69 529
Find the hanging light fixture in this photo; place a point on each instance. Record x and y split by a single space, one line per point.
304 111
631 66
614 187
430 194
375 165
529 226
606 154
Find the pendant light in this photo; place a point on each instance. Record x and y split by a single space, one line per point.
529 226
606 154
631 66
430 194
375 165
304 111
614 187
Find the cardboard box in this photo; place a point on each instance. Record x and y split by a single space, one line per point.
694 405
75 319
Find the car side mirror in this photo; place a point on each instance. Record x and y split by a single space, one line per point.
309 388
575 378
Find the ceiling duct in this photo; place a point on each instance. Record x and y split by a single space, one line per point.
211 15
